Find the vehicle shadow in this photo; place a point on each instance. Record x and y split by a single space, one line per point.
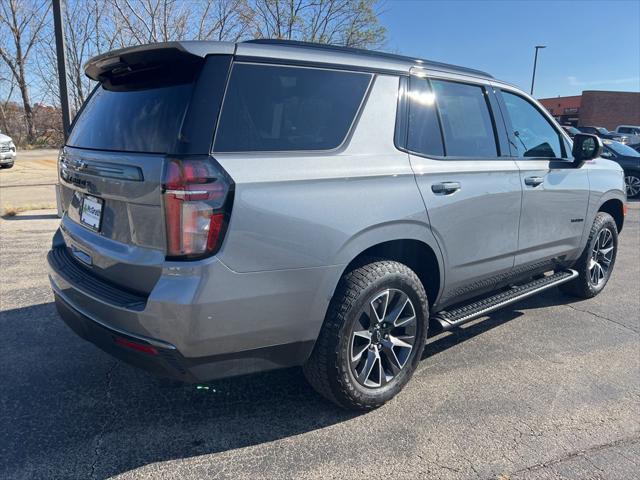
441 341
70 410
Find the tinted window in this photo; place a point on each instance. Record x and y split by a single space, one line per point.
532 135
144 120
274 108
424 130
466 121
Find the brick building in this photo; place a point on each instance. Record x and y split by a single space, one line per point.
596 107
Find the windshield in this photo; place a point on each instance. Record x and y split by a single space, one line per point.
602 130
622 149
145 120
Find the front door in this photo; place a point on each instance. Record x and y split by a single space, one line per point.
555 193
471 192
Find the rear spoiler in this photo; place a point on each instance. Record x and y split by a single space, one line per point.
142 57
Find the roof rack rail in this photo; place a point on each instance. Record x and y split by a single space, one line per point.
372 53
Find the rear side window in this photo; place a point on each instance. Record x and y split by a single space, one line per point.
423 134
276 108
534 135
143 120
466 120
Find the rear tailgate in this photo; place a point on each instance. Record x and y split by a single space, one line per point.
128 247
152 103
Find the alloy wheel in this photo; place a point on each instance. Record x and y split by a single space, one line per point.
632 185
601 257
382 338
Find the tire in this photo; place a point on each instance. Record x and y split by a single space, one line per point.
584 285
363 380
7 165
632 185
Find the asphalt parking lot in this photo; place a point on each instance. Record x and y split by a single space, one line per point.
545 389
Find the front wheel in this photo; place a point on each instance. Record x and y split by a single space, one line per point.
372 338
595 265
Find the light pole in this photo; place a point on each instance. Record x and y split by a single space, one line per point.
535 62
58 23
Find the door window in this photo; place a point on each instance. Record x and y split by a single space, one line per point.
424 135
532 134
466 121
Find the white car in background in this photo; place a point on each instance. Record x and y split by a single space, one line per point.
631 131
7 151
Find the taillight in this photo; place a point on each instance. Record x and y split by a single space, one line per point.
197 203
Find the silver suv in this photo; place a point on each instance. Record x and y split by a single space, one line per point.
234 208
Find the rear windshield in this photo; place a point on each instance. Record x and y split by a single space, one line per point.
277 108
144 120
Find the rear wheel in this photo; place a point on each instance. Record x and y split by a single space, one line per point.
373 336
597 260
632 182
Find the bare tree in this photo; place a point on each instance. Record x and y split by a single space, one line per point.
24 20
147 21
88 32
8 84
279 19
222 20
352 23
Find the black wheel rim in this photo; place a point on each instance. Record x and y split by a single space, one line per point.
382 338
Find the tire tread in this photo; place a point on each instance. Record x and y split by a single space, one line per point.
322 370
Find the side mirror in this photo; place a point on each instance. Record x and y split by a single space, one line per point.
586 147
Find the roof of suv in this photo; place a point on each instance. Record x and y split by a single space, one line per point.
274 49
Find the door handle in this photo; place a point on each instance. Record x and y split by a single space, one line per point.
533 181
446 188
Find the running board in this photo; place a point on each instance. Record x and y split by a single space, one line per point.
449 319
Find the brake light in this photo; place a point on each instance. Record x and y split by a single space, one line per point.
197 202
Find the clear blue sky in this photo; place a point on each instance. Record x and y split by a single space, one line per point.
591 45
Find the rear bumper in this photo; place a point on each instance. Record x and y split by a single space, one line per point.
163 359
206 326
159 358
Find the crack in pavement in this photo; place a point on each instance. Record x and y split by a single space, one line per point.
572 455
103 427
604 318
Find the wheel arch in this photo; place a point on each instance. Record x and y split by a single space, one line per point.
615 208
415 254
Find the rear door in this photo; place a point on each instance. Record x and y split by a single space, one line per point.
112 166
471 191
555 193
